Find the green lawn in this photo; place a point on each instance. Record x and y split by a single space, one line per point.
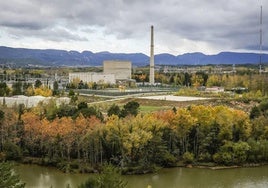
146 109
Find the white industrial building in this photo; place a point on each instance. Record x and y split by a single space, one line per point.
113 71
31 101
121 69
88 77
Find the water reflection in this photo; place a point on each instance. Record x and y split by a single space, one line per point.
43 177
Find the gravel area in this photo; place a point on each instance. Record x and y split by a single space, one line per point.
173 98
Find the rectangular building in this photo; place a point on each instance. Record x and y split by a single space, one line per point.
121 69
88 77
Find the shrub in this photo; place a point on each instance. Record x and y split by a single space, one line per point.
109 178
12 151
188 157
224 158
204 157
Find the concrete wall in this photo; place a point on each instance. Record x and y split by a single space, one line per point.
106 78
84 76
30 101
121 69
87 77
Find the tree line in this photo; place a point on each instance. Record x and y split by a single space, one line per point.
29 89
134 141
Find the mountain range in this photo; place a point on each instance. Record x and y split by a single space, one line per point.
52 57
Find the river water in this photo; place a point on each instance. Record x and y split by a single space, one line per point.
257 177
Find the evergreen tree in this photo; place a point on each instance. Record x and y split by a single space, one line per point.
7 177
4 90
114 110
37 84
17 88
55 88
109 178
131 108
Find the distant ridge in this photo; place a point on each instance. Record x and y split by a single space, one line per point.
51 57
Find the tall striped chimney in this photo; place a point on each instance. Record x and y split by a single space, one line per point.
151 79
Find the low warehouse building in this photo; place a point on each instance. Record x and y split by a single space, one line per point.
88 77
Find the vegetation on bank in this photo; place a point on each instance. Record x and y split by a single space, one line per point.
80 138
110 177
8 179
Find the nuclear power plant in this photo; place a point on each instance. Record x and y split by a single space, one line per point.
115 71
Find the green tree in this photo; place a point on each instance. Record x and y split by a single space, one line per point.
66 110
55 88
26 87
131 108
73 96
114 110
91 182
240 151
82 105
2 116
51 109
12 151
110 177
88 112
17 88
264 108
255 112
187 79
4 89
188 157
37 84
7 177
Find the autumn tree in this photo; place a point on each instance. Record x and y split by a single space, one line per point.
183 121
43 91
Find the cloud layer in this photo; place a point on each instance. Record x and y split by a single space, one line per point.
124 25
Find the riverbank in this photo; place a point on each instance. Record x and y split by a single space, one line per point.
78 166
217 167
40 177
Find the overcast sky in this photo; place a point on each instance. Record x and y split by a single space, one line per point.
123 26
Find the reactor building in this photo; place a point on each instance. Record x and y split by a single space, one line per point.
121 69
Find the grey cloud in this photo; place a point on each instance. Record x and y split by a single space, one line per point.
232 23
53 34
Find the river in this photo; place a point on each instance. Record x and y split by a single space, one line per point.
257 177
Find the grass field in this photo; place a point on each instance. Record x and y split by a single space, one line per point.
148 109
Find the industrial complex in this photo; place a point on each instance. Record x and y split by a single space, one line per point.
113 72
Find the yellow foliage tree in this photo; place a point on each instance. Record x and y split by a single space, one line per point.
43 91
